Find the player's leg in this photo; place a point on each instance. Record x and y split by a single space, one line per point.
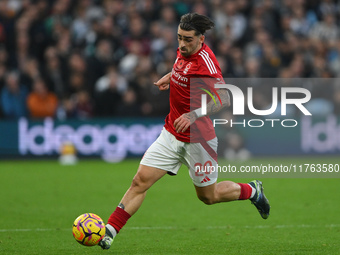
145 177
203 169
226 191
159 159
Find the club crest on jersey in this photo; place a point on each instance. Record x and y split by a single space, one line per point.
187 67
180 63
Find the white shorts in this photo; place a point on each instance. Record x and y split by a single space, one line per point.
167 153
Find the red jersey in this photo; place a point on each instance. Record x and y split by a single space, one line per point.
185 94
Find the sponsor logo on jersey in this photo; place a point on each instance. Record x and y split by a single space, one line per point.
179 79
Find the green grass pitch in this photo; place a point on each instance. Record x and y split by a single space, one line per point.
41 199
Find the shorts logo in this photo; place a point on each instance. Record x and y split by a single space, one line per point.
187 67
206 179
180 63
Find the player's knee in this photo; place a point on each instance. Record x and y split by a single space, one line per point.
137 183
140 183
208 200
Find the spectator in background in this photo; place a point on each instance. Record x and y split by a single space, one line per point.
66 109
153 101
252 68
2 33
30 72
77 75
77 63
3 65
108 100
80 24
103 82
267 12
108 30
297 66
72 44
53 72
3 72
229 22
270 62
22 47
99 62
137 32
59 18
3 55
83 105
333 57
13 97
158 43
327 6
64 49
326 30
301 23
76 83
129 106
255 48
41 103
168 18
237 62
129 62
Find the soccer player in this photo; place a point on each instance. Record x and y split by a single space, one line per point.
188 137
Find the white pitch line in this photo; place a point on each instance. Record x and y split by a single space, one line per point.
32 229
174 227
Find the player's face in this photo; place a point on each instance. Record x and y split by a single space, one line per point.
188 42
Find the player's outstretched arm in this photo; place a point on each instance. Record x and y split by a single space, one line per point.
164 82
183 122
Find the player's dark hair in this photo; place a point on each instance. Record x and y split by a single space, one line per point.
197 22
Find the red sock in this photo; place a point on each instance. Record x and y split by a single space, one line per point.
245 191
118 219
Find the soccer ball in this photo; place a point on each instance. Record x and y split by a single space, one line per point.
88 229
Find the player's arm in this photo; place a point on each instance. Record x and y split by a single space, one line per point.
183 122
164 82
213 108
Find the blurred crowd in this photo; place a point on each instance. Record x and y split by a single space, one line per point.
99 58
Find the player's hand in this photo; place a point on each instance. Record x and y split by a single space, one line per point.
163 83
183 122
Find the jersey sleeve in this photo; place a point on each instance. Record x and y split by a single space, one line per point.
208 65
